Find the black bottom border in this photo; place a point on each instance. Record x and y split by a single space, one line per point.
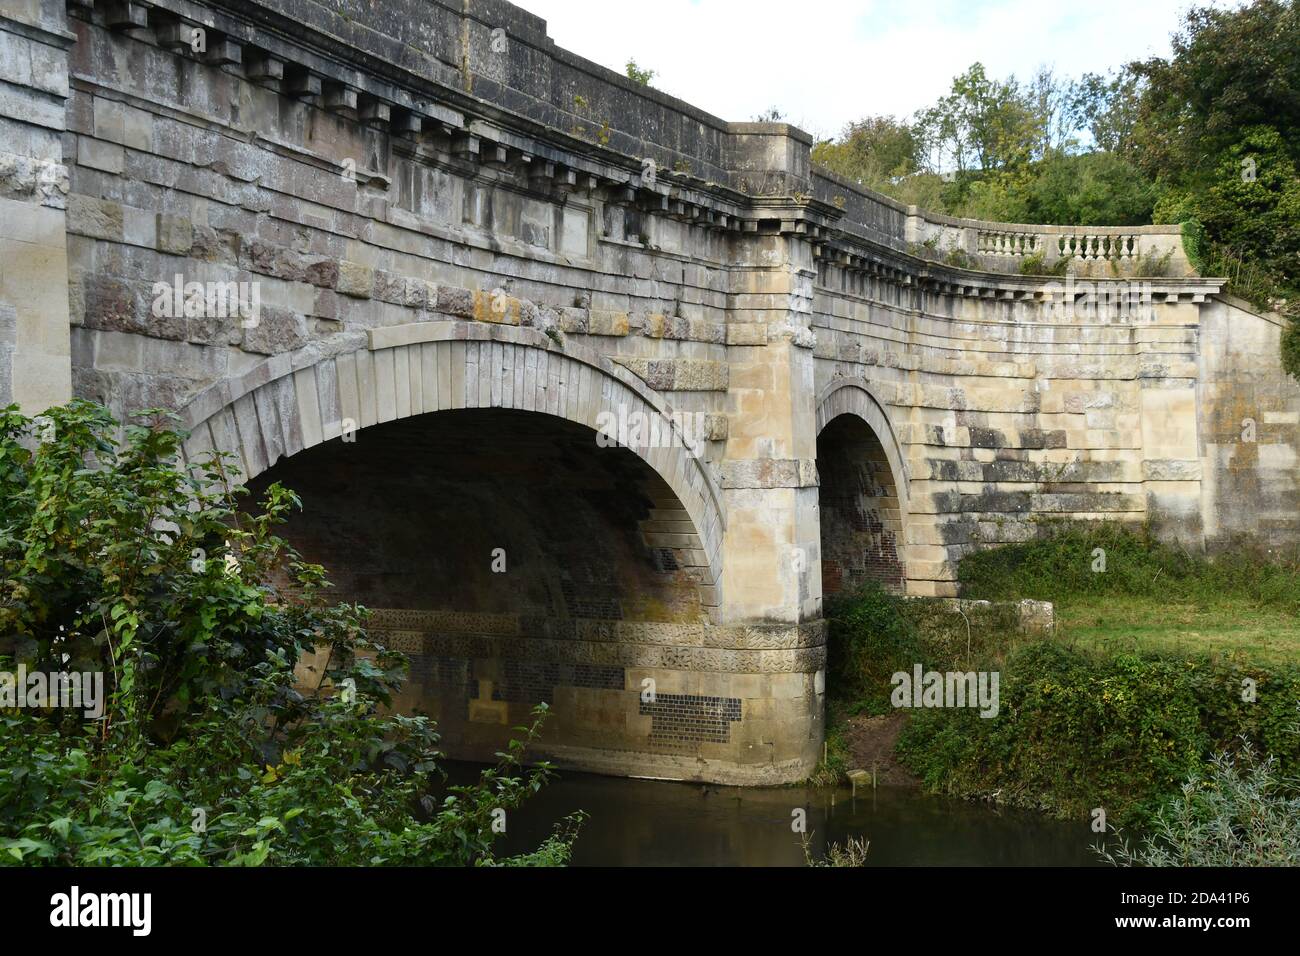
371 905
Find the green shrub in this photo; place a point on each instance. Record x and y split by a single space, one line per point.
1237 811
1195 244
871 636
958 258
1291 348
1077 731
1034 265
115 559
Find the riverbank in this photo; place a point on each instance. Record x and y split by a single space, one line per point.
1158 660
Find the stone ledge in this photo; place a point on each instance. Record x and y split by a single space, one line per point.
799 660
412 624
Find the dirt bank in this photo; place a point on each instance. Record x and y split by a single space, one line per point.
870 742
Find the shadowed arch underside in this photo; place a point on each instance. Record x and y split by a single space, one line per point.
863 493
291 403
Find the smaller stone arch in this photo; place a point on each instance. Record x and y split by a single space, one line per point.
866 540
853 397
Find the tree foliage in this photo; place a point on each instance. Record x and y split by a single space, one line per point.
1219 131
1208 136
219 744
873 152
984 124
1231 70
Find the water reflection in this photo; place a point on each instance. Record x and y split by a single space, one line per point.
654 823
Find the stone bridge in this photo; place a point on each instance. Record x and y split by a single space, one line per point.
591 395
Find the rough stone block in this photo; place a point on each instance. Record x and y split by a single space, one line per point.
266 258
607 322
112 305
389 287
212 245
96 218
455 301
276 330
175 234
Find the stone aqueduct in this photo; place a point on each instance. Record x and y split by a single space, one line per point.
461 250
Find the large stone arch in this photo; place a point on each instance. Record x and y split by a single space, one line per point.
848 398
295 401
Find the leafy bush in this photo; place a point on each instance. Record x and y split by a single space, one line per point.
216 746
1088 189
1237 811
1077 731
1291 348
871 637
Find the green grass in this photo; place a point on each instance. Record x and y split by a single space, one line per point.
1151 596
1234 628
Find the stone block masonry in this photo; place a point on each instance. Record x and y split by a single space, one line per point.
455 249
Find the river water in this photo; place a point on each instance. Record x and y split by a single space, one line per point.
656 823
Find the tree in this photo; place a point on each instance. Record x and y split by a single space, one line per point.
1231 69
1055 104
873 151
982 124
1089 189
1218 126
1107 107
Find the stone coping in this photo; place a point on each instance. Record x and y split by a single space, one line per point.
749 637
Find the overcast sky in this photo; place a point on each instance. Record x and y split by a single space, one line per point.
824 63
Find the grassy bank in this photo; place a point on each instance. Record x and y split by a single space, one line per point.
1150 671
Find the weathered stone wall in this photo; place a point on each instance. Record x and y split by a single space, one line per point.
424 207
34 369
1010 410
1248 430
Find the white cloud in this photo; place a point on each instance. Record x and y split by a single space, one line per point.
824 63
